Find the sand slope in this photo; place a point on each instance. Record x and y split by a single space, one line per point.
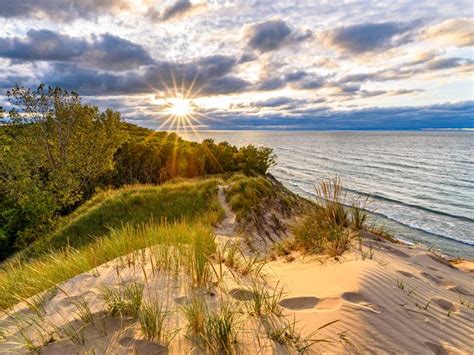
403 300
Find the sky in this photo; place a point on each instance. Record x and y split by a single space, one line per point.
250 64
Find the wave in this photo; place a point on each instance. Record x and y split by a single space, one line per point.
427 231
418 207
300 185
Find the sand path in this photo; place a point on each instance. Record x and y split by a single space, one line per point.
227 227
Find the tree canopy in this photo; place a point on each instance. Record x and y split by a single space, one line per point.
55 151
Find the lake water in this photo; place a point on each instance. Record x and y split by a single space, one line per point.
421 184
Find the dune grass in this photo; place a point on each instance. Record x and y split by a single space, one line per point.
20 280
132 205
327 227
246 193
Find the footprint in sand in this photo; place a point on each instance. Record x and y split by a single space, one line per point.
396 252
445 305
434 278
299 303
439 349
441 261
447 284
406 273
359 300
462 291
420 316
241 294
317 304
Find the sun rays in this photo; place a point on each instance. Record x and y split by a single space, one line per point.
179 111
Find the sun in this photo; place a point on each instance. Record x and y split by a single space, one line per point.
180 107
177 107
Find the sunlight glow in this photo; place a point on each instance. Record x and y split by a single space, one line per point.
180 107
179 111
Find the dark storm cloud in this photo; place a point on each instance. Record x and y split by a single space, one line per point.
366 37
106 51
61 10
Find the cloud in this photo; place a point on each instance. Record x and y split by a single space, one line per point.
274 102
425 64
439 116
209 75
177 9
105 51
269 84
458 32
311 83
295 76
273 34
42 45
269 35
62 10
446 63
368 37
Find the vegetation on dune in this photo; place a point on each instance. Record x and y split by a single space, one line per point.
247 196
20 280
55 152
328 227
133 205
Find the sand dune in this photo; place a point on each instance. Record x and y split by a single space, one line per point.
380 298
403 300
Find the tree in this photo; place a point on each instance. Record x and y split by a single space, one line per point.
54 150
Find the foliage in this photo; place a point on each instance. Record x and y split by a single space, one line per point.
246 193
56 151
161 156
53 151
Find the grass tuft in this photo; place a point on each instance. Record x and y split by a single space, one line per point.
326 228
124 301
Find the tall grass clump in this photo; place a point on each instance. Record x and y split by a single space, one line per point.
326 227
152 318
359 214
196 313
20 280
221 330
124 301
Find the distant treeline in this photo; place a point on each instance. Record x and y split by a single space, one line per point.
55 152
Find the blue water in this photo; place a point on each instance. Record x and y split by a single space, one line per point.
421 184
